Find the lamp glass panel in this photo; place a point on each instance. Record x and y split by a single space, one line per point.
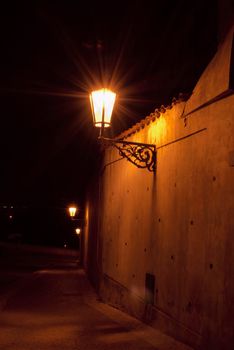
72 211
109 100
96 99
102 103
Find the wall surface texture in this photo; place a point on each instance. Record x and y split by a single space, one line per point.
162 243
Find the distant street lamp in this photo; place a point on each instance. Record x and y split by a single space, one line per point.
78 231
142 155
72 211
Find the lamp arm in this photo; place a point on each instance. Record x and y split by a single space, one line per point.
142 155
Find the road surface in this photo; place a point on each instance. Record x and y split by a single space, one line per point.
46 302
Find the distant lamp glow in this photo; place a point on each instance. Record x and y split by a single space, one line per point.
78 231
72 211
102 103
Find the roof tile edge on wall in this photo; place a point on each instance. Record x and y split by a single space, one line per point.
151 118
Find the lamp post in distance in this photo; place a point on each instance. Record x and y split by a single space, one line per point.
72 211
78 231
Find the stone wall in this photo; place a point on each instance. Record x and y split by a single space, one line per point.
164 241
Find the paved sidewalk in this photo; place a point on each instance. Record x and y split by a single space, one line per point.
57 309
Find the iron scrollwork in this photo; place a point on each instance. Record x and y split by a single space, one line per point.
140 154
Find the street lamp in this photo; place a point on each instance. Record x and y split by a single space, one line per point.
142 155
102 103
72 211
78 231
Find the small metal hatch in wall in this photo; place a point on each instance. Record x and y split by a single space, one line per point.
149 288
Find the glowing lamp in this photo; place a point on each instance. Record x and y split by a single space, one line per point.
102 103
78 231
72 211
142 155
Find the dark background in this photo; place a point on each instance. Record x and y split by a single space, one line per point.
53 53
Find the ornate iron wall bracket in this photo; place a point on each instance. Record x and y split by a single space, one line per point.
142 155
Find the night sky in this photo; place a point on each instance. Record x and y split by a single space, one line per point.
53 53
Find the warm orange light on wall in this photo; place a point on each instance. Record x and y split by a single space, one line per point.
158 130
102 103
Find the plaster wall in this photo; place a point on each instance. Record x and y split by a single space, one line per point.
176 224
